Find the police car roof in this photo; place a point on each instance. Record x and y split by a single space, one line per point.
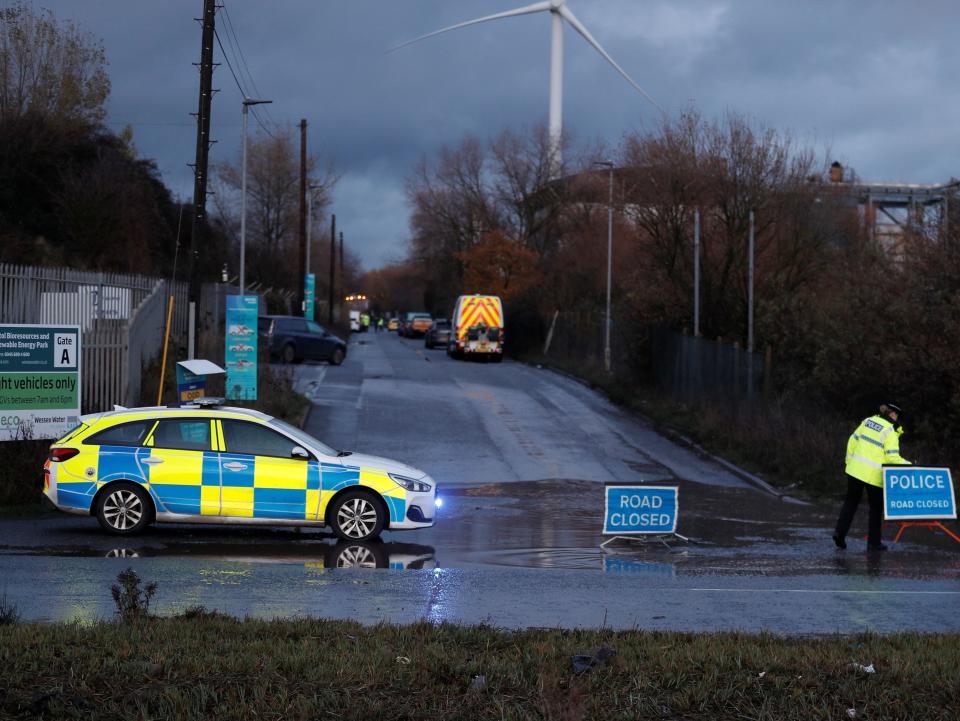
174 410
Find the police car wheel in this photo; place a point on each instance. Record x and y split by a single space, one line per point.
124 509
357 516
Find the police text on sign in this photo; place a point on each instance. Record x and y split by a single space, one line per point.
916 493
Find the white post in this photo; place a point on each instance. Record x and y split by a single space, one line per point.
243 203
192 331
750 273
696 273
606 347
555 125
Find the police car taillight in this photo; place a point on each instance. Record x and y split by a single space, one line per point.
58 455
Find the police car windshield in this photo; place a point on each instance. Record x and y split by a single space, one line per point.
304 437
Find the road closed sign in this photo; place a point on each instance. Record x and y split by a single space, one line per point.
39 381
914 493
632 510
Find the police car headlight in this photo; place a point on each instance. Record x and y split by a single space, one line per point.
410 484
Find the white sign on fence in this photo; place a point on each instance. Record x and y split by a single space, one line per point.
39 380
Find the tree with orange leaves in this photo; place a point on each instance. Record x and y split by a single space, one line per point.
498 266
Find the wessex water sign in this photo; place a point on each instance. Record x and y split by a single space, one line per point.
914 493
640 509
39 380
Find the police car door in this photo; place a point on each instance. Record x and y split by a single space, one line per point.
184 468
262 477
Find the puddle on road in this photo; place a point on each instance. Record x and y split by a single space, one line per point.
543 524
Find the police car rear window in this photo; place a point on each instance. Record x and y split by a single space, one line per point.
124 434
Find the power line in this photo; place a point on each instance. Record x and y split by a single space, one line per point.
242 65
243 92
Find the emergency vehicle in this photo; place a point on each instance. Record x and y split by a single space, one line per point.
477 327
202 463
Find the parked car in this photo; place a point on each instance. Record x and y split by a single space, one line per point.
417 324
439 334
393 324
291 339
202 463
406 320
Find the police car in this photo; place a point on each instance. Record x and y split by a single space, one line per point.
205 463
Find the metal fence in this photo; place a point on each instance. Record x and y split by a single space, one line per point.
121 318
692 368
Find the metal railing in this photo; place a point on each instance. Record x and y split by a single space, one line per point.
121 318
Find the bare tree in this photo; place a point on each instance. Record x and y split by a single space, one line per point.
273 186
50 69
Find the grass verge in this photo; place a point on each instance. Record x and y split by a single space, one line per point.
207 666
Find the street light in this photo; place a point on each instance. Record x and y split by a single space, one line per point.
247 102
606 335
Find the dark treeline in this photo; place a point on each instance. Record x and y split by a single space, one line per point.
850 319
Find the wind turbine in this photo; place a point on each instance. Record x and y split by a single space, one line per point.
558 13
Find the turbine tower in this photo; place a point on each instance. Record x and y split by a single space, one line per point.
558 13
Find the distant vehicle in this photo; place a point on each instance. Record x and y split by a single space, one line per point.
291 339
239 329
439 334
210 464
477 328
417 324
241 348
354 321
393 324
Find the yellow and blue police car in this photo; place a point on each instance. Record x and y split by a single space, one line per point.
205 463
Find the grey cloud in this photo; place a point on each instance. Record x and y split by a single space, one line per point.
875 81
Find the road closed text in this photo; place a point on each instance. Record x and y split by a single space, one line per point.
640 509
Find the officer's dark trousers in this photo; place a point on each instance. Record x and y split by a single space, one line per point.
855 488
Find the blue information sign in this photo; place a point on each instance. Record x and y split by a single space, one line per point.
640 509
914 493
309 293
241 347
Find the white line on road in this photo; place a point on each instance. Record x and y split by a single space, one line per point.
812 590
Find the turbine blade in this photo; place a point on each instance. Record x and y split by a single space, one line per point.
578 26
526 10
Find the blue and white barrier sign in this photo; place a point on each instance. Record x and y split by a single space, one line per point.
914 493
640 509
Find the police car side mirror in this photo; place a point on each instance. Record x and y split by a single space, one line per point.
299 452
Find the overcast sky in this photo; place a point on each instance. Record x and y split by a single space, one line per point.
876 82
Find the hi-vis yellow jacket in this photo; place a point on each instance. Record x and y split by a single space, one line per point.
876 442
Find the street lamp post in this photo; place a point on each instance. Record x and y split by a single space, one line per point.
606 333
247 102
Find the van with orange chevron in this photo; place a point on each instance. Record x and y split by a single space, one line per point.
477 328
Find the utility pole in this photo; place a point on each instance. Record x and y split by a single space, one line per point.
203 152
696 272
303 211
333 252
750 279
342 286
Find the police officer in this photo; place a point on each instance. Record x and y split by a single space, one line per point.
874 444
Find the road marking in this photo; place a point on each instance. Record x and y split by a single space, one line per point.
812 590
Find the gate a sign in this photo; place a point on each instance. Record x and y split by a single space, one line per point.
915 493
634 510
39 381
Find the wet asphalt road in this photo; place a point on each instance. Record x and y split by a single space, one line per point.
520 454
